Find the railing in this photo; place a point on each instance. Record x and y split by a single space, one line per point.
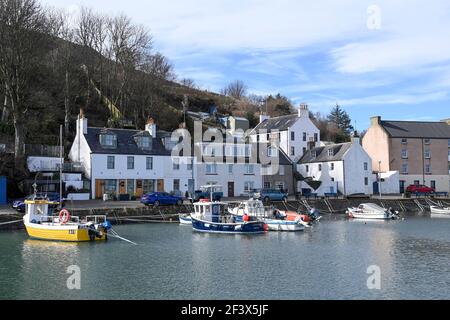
52 166
42 150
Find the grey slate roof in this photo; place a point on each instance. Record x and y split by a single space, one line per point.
125 142
339 151
279 123
416 129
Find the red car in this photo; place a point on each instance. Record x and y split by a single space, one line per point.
419 188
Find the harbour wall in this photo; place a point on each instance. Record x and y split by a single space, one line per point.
170 214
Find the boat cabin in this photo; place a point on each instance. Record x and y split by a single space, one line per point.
215 212
254 208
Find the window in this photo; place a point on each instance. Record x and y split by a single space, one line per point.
304 136
282 172
427 141
404 168
144 142
304 150
268 137
111 162
130 163
249 169
148 186
130 187
110 186
427 154
280 185
176 164
404 141
149 163
230 169
316 137
428 168
272 152
332 179
366 181
249 185
366 166
404 154
320 167
433 184
449 143
292 136
330 152
292 151
190 166
266 184
176 185
108 140
307 168
332 166
313 154
211 168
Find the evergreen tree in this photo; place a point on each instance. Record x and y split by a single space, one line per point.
340 118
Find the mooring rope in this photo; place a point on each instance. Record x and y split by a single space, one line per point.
10 222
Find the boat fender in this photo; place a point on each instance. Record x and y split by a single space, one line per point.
64 216
245 218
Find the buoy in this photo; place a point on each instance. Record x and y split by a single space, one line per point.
246 218
64 216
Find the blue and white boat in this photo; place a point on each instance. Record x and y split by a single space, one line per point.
213 217
185 219
255 209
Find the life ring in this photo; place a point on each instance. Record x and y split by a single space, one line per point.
64 216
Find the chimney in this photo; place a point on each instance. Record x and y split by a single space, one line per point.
263 117
355 137
151 127
375 120
303 111
82 123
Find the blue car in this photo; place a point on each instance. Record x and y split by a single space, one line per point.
161 198
19 204
267 195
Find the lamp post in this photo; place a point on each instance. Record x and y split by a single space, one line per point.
379 177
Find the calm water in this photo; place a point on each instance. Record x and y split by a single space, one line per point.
172 262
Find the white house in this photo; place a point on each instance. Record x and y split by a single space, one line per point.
296 133
337 168
133 162
232 168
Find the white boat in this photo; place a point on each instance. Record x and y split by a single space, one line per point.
185 219
371 211
440 210
256 209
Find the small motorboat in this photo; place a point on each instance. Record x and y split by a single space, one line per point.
213 217
276 220
441 210
62 227
371 211
185 219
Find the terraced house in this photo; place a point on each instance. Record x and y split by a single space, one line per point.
420 151
129 162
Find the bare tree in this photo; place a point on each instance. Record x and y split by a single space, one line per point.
190 83
237 89
23 28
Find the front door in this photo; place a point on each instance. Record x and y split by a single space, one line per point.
122 187
160 185
99 189
402 186
230 189
139 188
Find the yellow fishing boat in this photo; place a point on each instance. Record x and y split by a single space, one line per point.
62 227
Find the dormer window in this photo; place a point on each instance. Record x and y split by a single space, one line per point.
108 140
144 142
330 152
313 154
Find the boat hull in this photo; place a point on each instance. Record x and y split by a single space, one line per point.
370 216
228 228
439 210
279 225
62 233
186 220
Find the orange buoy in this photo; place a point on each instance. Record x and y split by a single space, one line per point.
246 218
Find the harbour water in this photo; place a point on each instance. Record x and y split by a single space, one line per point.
329 261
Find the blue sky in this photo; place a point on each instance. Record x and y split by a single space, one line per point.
391 60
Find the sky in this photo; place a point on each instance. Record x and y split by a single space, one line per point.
389 57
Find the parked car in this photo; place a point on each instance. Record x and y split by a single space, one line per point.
419 188
201 194
161 198
19 204
267 195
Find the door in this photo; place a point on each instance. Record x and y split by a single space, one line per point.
402 186
375 187
122 187
191 186
139 188
231 189
160 185
99 189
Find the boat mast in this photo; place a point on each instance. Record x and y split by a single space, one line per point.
61 162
